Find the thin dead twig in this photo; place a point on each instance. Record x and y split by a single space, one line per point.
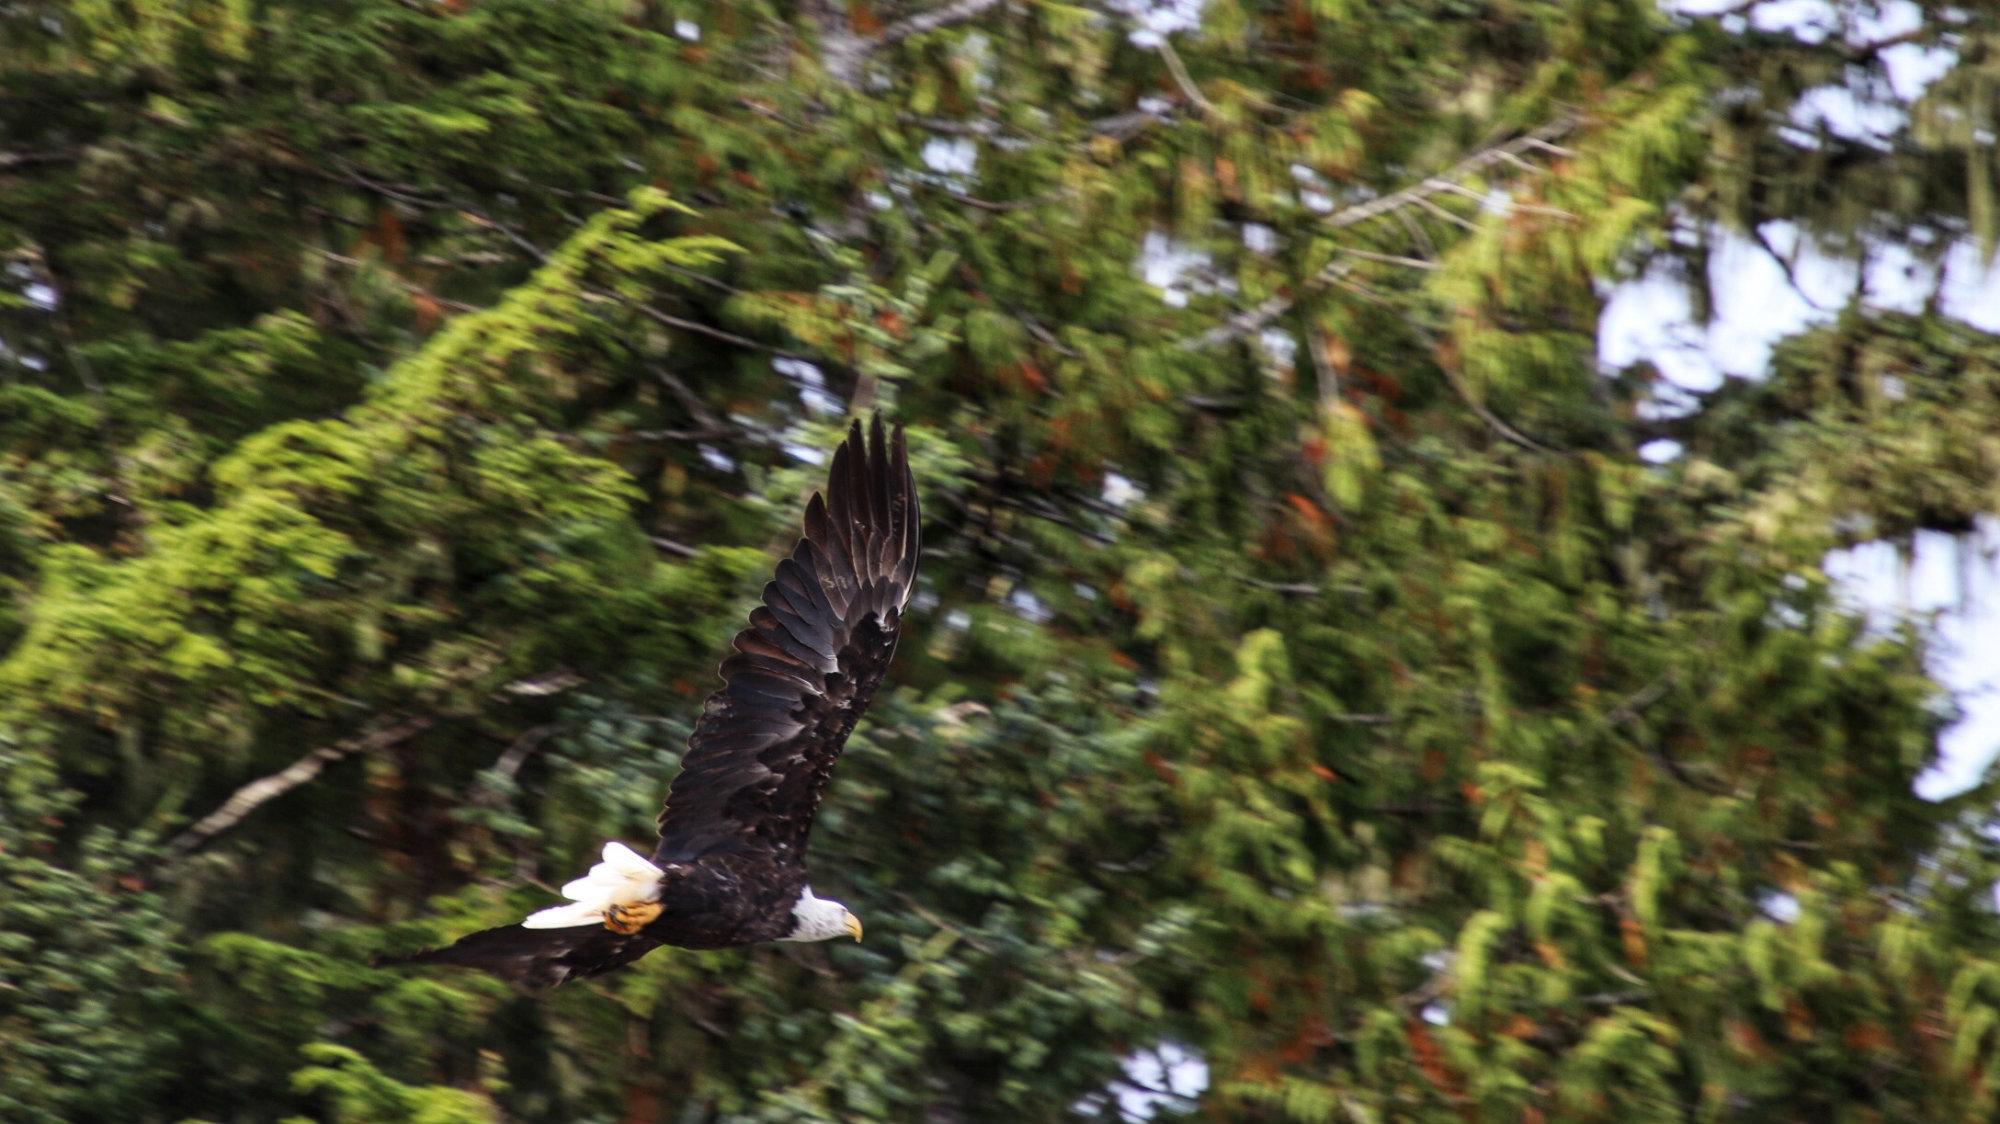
1395 203
1185 81
400 281
843 53
263 790
1495 422
1537 141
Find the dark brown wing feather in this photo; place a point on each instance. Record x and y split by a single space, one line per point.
758 761
536 958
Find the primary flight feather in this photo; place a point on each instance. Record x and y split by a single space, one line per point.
729 868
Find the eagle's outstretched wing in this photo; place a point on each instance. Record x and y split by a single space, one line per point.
804 670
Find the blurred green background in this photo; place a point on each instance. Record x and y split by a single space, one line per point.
1342 687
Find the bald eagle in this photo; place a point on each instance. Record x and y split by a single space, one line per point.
730 865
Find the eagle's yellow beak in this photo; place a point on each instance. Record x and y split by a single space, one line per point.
853 926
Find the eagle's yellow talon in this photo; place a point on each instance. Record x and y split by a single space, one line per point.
629 919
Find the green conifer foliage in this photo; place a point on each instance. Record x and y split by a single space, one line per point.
400 403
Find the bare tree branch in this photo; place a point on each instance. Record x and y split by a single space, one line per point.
1395 203
522 747
1459 221
1493 421
1185 81
20 159
1786 264
1386 259
1260 315
399 281
695 326
1450 179
842 53
263 790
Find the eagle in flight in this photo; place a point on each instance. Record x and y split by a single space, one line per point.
730 865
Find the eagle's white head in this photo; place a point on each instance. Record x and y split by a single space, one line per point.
818 919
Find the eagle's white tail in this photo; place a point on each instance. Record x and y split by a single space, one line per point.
624 878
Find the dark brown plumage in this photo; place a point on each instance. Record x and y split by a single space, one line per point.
734 830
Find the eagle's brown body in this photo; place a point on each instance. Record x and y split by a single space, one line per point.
734 831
